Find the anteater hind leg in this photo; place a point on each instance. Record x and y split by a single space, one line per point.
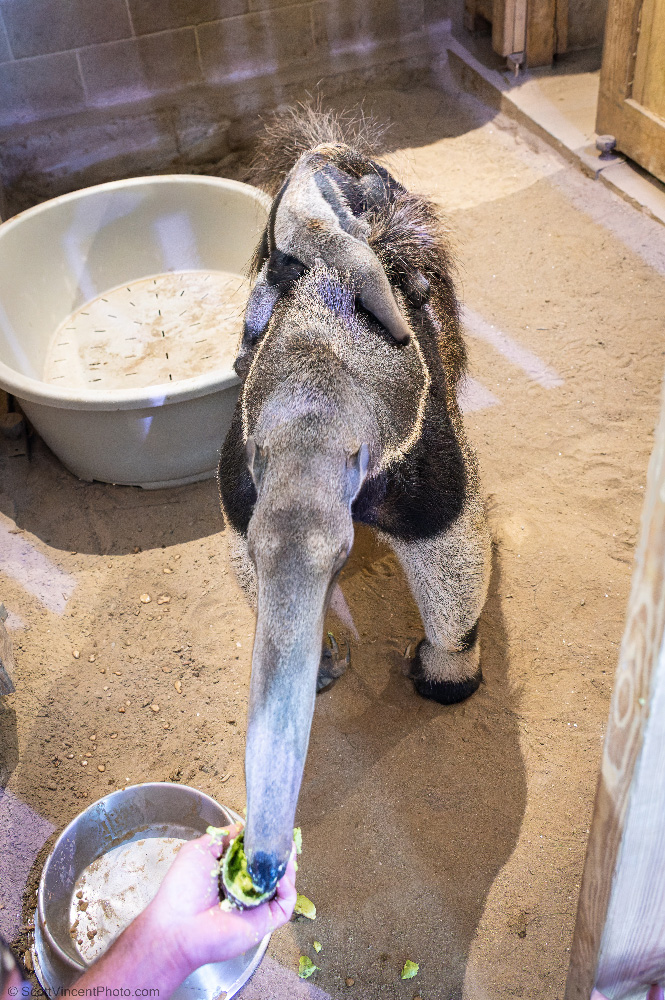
448 575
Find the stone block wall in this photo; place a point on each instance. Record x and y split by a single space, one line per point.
96 88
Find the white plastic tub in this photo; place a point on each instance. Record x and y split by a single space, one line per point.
143 401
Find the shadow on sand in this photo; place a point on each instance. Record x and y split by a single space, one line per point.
46 500
411 808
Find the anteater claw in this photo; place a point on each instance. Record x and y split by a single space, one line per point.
332 664
333 645
409 654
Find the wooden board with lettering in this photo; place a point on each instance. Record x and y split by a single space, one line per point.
619 940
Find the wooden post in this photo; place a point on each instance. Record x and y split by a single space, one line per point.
619 939
509 27
561 27
546 31
537 27
541 32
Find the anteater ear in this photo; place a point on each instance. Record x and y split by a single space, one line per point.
356 470
257 458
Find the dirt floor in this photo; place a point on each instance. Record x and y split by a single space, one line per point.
454 837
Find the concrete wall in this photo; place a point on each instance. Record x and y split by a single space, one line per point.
97 88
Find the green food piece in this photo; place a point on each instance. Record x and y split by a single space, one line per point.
317 946
306 967
237 880
305 907
410 969
217 833
297 836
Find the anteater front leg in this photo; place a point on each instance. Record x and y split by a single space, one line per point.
242 564
334 660
448 575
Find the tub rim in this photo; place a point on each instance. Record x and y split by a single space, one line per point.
162 394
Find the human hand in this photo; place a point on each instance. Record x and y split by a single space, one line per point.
655 993
186 911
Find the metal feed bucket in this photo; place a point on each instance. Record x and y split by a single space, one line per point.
116 852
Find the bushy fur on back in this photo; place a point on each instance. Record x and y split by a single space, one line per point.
292 131
407 232
409 236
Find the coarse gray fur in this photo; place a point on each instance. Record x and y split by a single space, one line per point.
312 222
339 422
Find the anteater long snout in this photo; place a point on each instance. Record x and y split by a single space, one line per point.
282 691
297 557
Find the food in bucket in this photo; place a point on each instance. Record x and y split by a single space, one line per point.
236 879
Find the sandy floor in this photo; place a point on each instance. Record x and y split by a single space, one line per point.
451 836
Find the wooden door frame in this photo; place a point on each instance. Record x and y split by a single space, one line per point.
617 944
640 133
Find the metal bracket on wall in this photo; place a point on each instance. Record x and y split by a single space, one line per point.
515 61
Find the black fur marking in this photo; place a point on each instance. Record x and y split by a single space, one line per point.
284 269
424 493
445 692
333 182
281 273
448 692
393 186
268 241
261 253
469 638
236 486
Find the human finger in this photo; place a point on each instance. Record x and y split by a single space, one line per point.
191 884
285 899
